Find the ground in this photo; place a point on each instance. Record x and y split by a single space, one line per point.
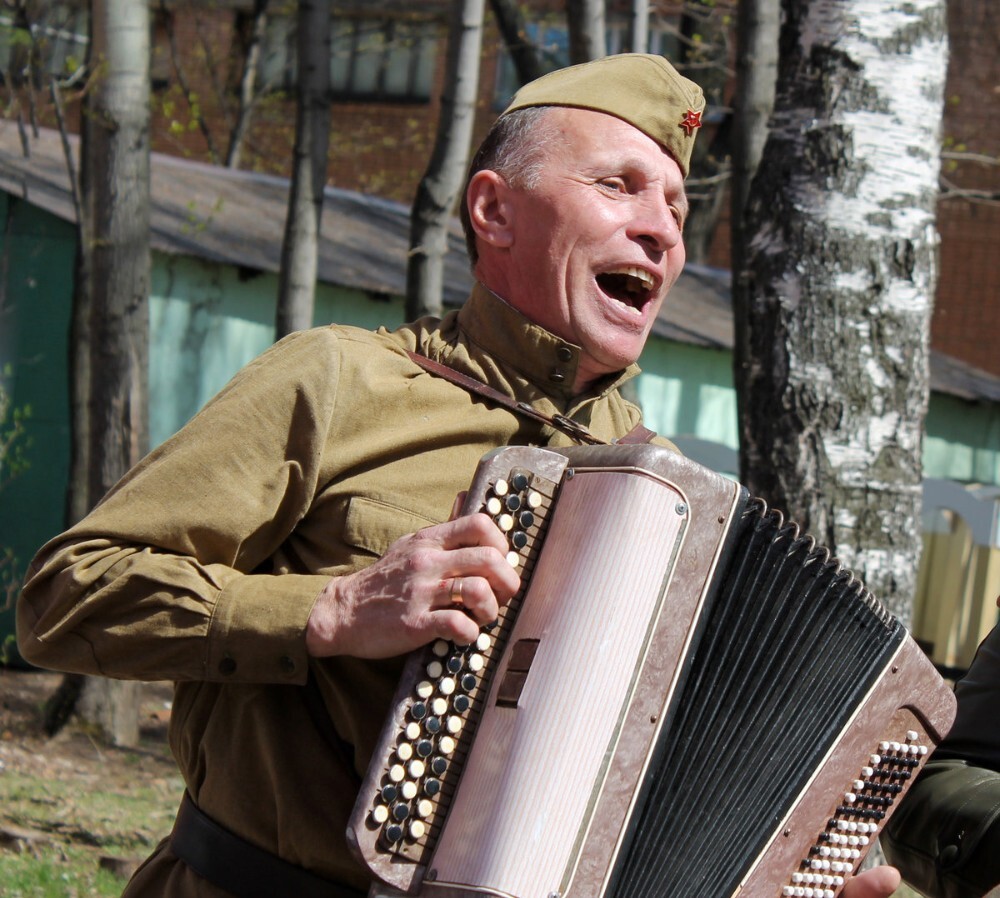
75 814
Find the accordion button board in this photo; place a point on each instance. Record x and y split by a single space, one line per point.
687 697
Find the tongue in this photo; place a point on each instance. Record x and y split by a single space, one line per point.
617 286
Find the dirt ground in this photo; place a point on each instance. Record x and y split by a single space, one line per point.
73 752
74 791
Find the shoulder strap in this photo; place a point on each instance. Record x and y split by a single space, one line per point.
568 426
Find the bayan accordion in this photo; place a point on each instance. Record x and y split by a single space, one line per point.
687 699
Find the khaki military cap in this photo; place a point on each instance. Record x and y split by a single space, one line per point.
642 89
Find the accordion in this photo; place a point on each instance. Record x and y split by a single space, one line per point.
688 698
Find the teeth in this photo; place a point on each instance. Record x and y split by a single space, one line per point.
631 271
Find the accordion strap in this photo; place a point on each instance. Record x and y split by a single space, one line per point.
568 426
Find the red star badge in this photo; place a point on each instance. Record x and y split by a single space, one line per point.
691 121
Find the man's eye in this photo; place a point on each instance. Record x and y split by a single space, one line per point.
616 185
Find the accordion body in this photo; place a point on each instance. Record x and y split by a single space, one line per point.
687 699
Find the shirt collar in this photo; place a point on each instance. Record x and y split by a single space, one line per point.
547 361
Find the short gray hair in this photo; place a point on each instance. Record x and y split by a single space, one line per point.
515 149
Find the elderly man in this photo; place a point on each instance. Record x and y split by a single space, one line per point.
278 555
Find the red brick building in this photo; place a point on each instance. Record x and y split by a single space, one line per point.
388 61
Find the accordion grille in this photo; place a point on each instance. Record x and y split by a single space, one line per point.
788 636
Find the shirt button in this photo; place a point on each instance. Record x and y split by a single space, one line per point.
287 664
227 666
557 376
564 354
948 856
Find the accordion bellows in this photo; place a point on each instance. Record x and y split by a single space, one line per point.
687 698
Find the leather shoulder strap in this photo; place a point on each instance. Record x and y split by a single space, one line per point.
568 426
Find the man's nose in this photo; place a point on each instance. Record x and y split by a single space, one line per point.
656 224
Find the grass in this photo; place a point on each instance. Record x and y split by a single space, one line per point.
77 823
83 802
69 804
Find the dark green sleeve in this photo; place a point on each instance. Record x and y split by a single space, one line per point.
945 837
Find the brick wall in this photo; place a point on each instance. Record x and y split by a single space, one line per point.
966 321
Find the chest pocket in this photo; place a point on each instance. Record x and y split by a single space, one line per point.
373 525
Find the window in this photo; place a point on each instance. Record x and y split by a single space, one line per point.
53 44
370 59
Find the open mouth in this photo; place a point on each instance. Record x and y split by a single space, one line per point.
629 285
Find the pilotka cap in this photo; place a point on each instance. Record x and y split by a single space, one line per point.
641 88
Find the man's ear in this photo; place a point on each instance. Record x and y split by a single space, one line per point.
490 211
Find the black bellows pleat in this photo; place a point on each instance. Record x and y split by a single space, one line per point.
787 646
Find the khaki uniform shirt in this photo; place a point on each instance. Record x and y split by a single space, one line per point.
203 564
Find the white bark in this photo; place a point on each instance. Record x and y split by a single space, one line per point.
639 26
440 186
116 209
585 19
300 249
842 279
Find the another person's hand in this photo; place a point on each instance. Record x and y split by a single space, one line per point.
443 582
879 882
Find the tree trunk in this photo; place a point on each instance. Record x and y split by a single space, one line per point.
704 56
300 248
757 29
523 54
842 276
638 26
115 263
248 84
440 185
585 19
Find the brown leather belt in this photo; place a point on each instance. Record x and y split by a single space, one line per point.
240 868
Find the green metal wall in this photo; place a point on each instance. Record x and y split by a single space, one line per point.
208 320
36 257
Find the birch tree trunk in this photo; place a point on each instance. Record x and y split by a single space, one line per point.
842 276
440 185
300 248
116 209
757 29
638 26
585 20
248 84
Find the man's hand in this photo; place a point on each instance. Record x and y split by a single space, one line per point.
441 582
879 882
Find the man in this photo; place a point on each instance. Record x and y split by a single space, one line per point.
945 835
279 555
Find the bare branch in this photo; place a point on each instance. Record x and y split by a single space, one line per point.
193 106
951 191
74 183
981 158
